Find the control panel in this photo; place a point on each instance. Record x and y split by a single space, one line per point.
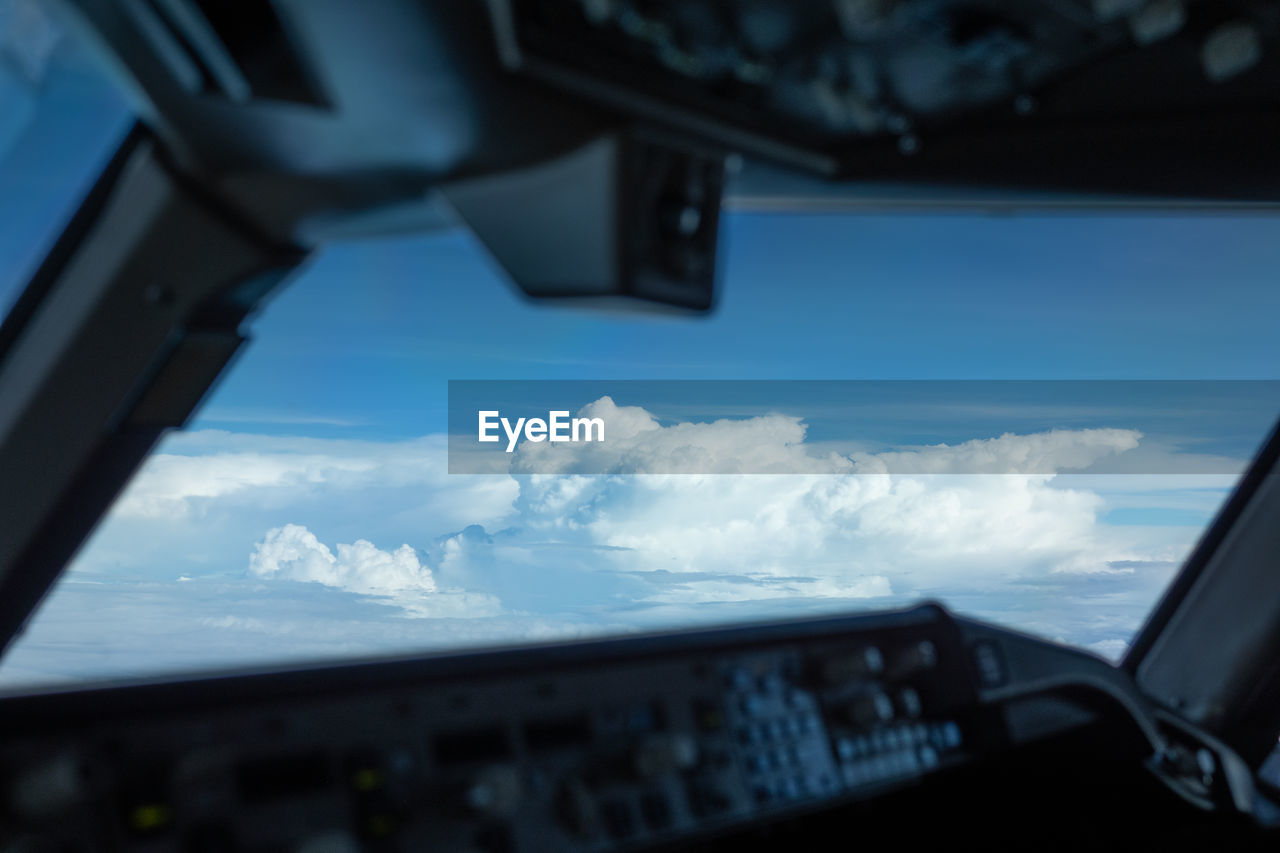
588 746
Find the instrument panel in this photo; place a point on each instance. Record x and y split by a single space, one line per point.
588 746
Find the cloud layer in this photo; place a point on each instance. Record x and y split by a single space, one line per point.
253 524
775 444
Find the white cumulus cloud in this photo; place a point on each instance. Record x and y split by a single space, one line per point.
294 553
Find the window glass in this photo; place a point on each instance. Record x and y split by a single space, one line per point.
308 512
60 120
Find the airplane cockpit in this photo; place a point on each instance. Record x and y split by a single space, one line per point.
593 425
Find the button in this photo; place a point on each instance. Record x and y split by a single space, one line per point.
909 702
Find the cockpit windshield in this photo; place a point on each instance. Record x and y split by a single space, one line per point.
848 430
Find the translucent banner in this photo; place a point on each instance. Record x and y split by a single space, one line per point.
665 427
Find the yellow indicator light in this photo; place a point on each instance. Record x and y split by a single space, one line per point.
150 817
366 780
380 825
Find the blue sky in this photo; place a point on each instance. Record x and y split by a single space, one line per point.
805 297
308 513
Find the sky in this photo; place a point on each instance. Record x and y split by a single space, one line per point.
308 511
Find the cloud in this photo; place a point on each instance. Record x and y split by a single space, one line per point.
292 552
636 443
462 560
205 471
1039 453
1112 649
128 628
